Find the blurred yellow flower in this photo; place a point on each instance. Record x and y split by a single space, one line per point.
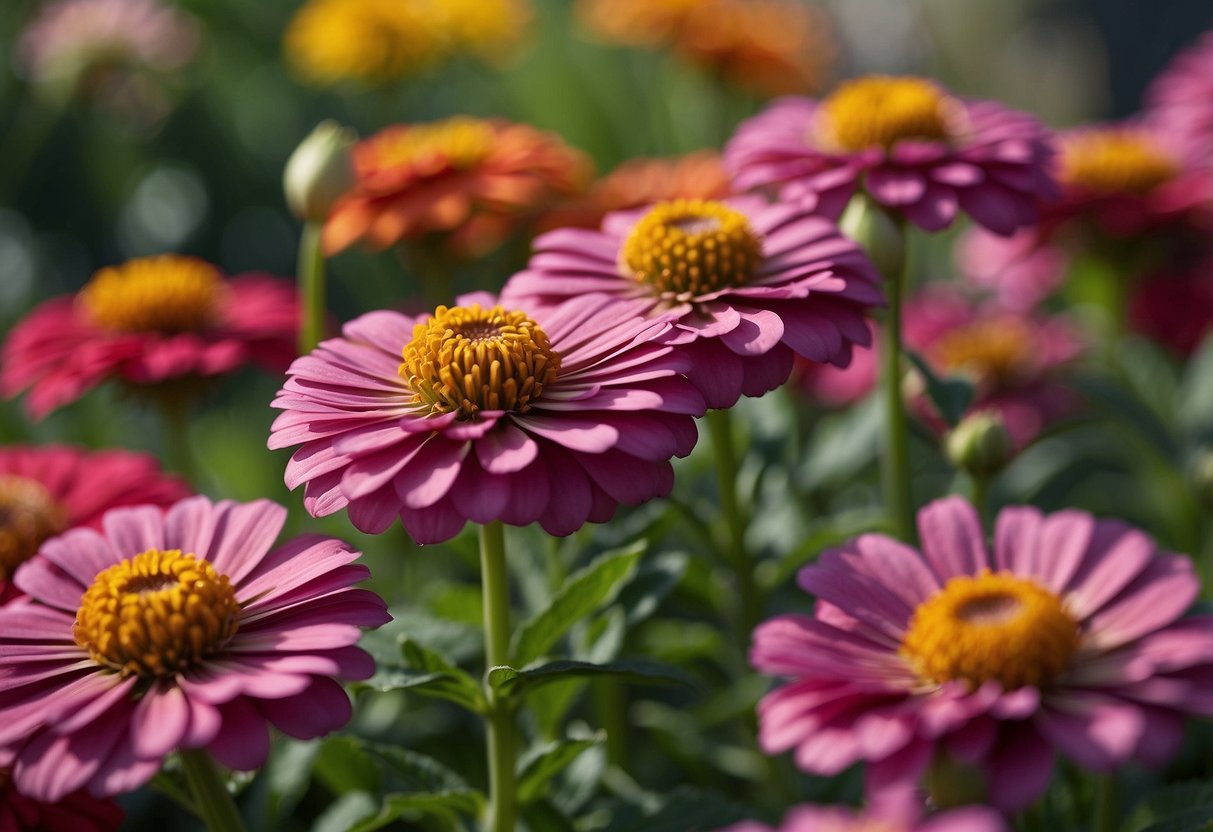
380 41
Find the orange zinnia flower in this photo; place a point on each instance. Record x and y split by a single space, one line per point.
476 180
639 182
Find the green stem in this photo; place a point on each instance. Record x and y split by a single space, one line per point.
895 461
981 497
724 451
178 448
311 287
1106 803
502 739
212 800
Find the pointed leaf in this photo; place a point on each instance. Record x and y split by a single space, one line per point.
951 395
536 770
511 682
426 672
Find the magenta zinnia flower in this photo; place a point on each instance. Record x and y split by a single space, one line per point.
749 285
47 490
1019 271
264 632
914 147
899 812
495 414
150 320
76 812
1067 637
1180 99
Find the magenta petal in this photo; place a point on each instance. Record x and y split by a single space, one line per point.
159 721
952 539
506 450
243 533
322 708
1020 768
132 531
1096 732
243 742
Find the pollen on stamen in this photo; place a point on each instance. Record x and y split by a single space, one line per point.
28 516
166 293
877 111
469 359
1115 160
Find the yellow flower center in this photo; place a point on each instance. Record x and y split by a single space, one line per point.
1115 161
468 359
156 614
369 41
168 293
881 110
991 626
995 353
459 142
691 247
28 516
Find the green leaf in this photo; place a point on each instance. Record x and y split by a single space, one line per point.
842 444
1195 400
584 592
682 810
512 682
426 672
538 768
654 580
1180 807
346 812
1125 409
951 395
442 804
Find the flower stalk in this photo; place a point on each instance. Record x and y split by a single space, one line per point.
500 728
212 801
311 287
724 453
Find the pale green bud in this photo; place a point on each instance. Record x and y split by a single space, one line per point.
320 171
880 235
980 445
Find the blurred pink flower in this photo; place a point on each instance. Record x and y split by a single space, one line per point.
77 812
1174 309
49 489
266 631
1179 101
898 812
69 36
147 321
914 147
555 416
1130 178
1067 638
1018 272
1011 355
748 285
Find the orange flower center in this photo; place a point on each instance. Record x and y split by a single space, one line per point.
996 352
156 614
168 293
458 142
1115 161
468 359
881 110
691 247
991 626
28 516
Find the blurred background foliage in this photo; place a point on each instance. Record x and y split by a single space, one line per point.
83 186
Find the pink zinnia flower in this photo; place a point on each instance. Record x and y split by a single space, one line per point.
749 285
898 812
1012 356
914 147
1066 637
1130 178
1179 100
70 37
150 320
265 632
1018 272
49 489
555 416
76 812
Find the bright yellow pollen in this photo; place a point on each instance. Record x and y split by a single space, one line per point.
468 359
881 110
28 516
991 626
1115 161
995 353
366 41
691 247
168 293
156 614
459 142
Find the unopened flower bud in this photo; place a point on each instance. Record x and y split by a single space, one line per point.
320 171
980 445
881 237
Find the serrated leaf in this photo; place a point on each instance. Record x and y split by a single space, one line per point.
512 682
585 591
951 395
427 672
537 769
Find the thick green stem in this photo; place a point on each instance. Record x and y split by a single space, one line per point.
178 447
311 287
895 461
500 727
724 451
1107 806
212 801
981 497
